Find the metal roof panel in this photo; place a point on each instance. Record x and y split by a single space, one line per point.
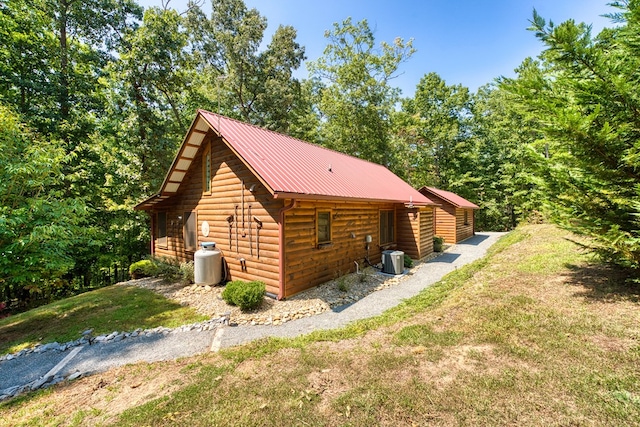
290 165
450 197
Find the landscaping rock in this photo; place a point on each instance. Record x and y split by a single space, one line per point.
74 376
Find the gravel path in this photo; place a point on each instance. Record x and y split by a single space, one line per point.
373 304
50 366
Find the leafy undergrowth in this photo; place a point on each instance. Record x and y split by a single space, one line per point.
114 308
534 334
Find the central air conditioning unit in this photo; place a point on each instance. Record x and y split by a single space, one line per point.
392 262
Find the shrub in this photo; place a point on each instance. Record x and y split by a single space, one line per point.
408 262
342 284
246 295
186 272
143 268
437 243
167 268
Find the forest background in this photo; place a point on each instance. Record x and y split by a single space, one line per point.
96 95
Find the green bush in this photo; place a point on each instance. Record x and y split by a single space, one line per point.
437 243
246 295
167 268
143 268
186 271
408 262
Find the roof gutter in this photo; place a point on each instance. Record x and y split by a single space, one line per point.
281 250
301 196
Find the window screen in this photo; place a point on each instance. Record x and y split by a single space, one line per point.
324 227
161 229
386 227
189 228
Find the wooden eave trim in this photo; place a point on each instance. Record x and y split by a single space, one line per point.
151 202
178 157
300 196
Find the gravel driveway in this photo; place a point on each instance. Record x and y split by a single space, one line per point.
36 368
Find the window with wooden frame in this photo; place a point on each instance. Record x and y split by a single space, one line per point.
323 228
387 227
206 170
161 229
466 217
190 232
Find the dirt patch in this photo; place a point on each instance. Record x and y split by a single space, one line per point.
458 360
613 344
328 384
102 397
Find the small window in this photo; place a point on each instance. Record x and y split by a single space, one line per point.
206 170
466 217
324 227
189 231
387 229
161 229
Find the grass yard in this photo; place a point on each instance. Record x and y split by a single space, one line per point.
534 334
114 308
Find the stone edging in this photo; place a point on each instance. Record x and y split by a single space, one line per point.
49 380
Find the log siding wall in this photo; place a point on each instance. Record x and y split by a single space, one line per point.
445 223
308 264
464 231
449 223
415 231
230 178
426 232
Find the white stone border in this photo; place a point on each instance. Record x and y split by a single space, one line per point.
52 378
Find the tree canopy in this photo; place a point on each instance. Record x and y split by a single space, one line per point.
96 95
584 100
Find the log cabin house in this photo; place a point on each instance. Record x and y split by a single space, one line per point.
286 212
454 219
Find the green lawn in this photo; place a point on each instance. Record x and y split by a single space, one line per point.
114 308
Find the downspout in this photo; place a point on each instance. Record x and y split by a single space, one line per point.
281 251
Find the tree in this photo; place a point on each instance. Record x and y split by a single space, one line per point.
509 155
38 228
52 52
352 87
53 55
440 149
148 100
25 46
588 108
233 74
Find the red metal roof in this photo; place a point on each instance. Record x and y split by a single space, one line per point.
450 197
291 168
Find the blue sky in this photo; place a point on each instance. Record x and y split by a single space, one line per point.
468 42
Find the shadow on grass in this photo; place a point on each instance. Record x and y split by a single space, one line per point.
115 308
603 283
